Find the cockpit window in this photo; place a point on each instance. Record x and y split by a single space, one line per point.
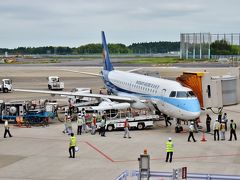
191 94
182 94
172 94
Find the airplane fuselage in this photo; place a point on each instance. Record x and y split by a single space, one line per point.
169 96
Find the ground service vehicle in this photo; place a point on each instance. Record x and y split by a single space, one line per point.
138 119
6 85
54 83
31 112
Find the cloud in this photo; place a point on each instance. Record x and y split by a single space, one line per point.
76 22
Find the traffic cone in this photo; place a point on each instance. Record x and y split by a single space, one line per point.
203 137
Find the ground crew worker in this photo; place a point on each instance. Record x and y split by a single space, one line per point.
102 128
104 117
7 131
84 126
126 128
216 127
169 150
69 125
191 129
233 128
65 122
167 120
94 123
79 124
222 129
72 145
208 123
225 119
220 115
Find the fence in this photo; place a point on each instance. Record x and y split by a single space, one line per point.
169 175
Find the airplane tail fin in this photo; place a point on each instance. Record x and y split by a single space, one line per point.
107 65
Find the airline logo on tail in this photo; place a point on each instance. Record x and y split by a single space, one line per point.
106 59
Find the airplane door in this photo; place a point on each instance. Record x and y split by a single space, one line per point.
163 92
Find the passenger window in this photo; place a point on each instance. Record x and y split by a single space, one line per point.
172 94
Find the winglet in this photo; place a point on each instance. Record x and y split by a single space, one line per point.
107 65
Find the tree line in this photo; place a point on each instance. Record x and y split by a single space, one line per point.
222 47
118 48
219 47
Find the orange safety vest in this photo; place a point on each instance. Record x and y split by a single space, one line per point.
94 121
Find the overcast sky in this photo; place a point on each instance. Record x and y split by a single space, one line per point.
78 22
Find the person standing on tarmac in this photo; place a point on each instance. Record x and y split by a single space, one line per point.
233 128
167 120
69 125
102 128
208 123
72 146
7 131
191 130
169 150
216 127
79 124
222 130
65 122
94 123
126 128
225 119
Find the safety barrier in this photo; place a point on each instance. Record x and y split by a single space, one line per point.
156 174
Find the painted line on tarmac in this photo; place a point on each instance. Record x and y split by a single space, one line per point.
100 152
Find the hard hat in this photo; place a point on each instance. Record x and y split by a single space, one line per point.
192 122
169 138
94 115
216 120
127 118
69 117
79 114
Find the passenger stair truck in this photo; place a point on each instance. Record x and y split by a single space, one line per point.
54 83
6 85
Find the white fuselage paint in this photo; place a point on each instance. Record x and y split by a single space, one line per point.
156 90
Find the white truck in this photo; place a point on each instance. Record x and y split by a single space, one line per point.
54 83
138 119
6 85
139 122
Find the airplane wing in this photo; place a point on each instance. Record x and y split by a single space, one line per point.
133 70
81 72
112 97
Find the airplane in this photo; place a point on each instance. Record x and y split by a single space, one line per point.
140 91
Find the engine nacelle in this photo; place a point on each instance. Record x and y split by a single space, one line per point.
107 105
138 104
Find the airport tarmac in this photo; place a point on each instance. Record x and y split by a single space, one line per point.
42 153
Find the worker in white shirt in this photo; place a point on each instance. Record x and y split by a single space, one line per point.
216 127
191 130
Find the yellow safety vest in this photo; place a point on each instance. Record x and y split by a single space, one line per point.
73 141
234 126
169 146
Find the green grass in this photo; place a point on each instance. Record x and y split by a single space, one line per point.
158 60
